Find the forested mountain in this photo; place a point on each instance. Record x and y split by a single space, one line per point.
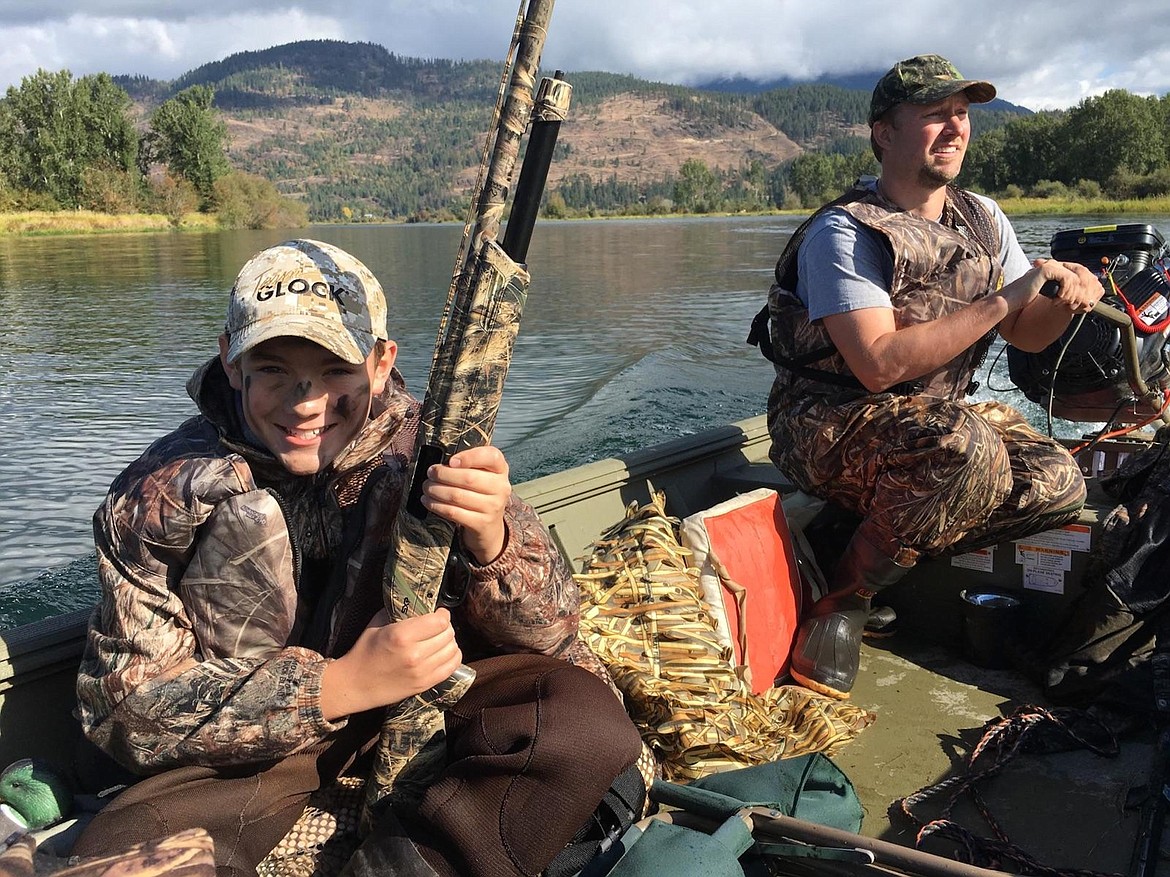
315 69
331 130
358 132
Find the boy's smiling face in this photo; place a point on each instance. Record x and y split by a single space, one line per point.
304 402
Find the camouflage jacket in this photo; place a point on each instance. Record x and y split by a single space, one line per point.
227 584
938 268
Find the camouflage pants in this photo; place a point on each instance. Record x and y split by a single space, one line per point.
930 476
246 809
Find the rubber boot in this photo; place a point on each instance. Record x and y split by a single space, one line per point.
882 622
828 644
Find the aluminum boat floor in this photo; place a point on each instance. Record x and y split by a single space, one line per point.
1066 809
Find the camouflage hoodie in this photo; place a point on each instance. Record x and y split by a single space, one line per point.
228 582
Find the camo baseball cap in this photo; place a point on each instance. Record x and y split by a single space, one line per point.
924 79
307 289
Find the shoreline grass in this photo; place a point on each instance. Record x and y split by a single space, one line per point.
1159 206
66 222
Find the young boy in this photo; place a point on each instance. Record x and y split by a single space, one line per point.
240 657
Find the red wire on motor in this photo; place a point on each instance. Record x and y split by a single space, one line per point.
1120 432
1139 324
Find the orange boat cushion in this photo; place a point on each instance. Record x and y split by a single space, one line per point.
743 549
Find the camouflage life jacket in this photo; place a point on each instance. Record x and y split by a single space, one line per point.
938 268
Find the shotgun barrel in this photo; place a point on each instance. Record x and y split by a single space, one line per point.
470 362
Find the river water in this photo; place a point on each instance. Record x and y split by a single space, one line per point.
633 334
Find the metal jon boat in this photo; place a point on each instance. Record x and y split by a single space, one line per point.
1066 809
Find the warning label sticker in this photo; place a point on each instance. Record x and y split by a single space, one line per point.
1040 580
1073 537
982 560
1039 557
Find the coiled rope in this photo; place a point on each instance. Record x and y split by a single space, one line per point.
1028 729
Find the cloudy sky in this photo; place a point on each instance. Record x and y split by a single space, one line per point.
1039 53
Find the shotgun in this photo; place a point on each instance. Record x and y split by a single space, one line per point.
474 346
811 840
705 810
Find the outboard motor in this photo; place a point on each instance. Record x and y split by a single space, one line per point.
1082 376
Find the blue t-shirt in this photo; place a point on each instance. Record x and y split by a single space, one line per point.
844 266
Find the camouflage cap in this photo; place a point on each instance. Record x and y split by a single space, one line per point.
924 79
306 289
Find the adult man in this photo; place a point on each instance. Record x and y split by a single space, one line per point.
240 656
885 304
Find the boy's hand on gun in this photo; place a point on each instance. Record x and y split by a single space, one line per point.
472 490
390 662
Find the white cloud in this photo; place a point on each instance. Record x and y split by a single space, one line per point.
1039 55
161 48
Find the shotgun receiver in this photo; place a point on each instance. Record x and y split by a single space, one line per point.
474 346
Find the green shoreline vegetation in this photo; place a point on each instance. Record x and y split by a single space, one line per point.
79 156
1019 206
66 222
72 159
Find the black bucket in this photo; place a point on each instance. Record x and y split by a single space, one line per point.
990 620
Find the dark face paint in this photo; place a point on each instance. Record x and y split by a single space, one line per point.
345 403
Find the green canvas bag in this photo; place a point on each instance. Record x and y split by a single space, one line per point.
721 844
809 787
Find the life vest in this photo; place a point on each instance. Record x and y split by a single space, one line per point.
938 268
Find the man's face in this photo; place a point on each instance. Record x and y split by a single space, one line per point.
925 141
304 402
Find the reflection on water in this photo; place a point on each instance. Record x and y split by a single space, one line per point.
633 333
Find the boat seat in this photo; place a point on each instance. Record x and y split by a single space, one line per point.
749 476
